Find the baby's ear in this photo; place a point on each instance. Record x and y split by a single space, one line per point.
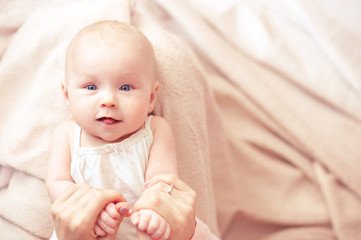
64 88
153 96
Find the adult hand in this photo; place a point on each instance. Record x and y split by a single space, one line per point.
76 210
177 206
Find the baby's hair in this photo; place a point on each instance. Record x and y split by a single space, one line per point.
112 32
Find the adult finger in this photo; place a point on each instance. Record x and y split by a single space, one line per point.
123 209
95 200
186 196
178 207
75 212
160 202
169 179
64 197
68 192
80 193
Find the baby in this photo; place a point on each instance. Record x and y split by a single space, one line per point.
113 141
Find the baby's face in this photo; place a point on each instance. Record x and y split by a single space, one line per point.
111 88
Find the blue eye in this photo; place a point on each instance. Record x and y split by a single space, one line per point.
125 88
91 87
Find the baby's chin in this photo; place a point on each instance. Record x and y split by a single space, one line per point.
114 139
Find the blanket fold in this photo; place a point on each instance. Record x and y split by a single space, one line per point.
263 98
31 71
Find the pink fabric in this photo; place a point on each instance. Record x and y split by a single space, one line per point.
31 71
202 232
264 99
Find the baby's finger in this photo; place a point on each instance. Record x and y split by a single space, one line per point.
153 225
135 218
112 211
108 229
143 221
107 219
166 235
160 230
99 231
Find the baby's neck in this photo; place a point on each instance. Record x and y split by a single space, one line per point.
89 140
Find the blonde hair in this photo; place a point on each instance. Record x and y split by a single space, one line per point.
110 31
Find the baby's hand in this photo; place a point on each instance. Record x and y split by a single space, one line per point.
152 223
108 220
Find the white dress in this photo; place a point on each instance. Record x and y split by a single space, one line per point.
120 166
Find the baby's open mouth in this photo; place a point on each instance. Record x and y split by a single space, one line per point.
108 120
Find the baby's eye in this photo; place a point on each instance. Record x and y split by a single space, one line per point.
126 88
91 87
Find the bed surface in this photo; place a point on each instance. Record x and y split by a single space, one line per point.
264 98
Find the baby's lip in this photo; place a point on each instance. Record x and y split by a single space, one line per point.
108 120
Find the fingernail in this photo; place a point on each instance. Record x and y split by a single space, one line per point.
123 210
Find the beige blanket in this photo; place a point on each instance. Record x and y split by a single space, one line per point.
264 98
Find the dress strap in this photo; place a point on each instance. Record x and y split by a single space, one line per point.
148 121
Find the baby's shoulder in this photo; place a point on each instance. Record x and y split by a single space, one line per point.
160 126
66 125
65 128
158 122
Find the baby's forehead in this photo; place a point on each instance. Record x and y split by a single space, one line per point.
111 40
111 32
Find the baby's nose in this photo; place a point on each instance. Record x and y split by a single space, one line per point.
108 100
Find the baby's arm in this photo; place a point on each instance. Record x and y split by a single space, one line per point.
162 159
58 173
59 178
162 156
